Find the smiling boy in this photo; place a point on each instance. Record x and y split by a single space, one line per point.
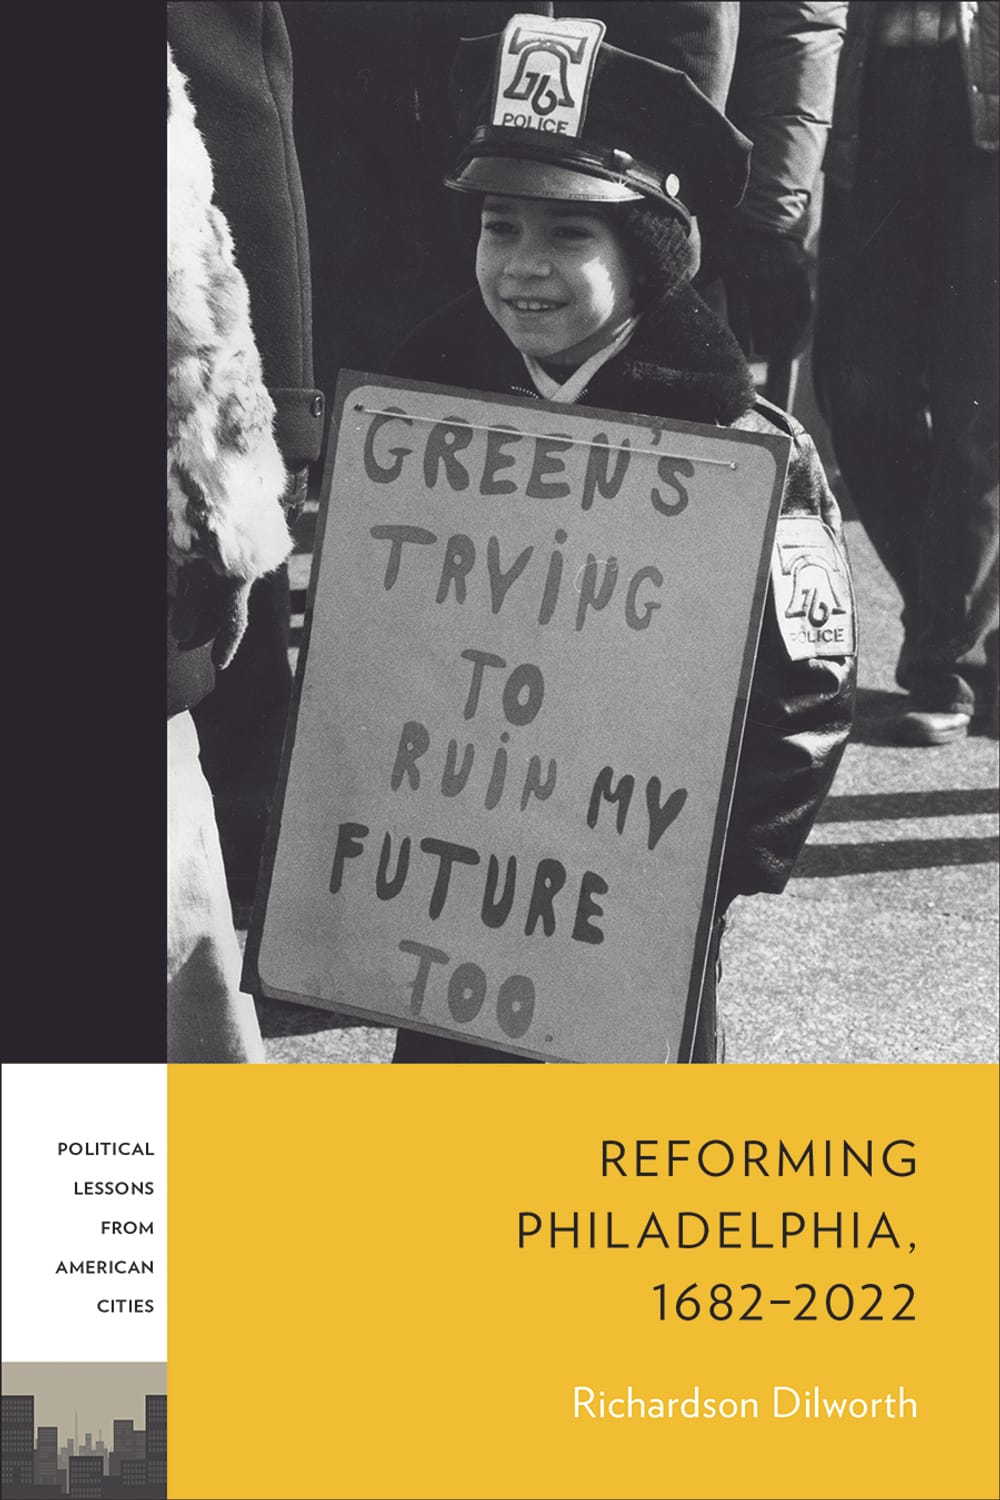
555 277
586 165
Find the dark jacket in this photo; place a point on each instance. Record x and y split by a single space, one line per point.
770 64
781 96
979 49
682 362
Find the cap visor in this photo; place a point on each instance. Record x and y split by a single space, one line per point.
512 178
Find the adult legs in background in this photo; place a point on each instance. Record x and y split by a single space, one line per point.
904 363
208 1019
955 647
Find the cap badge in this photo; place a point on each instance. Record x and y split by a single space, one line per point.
544 74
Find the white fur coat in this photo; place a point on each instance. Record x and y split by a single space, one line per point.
225 475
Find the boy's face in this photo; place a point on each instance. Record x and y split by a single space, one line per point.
553 275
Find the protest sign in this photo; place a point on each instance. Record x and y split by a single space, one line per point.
530 639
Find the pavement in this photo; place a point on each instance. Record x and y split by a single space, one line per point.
883 947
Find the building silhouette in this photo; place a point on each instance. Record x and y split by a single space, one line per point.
47 1458
86 1475
129 1444
135 1468
156 1440
17 1459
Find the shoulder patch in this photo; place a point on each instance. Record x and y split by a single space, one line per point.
813 592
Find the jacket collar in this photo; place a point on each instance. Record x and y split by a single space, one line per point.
681 361
571 387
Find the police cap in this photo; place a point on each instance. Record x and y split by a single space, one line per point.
547 109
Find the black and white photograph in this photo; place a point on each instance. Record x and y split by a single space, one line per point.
582 514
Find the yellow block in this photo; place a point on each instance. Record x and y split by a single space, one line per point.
351 1313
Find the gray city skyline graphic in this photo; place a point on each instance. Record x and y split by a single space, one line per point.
96 1394
84 1431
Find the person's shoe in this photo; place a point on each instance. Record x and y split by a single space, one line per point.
921 726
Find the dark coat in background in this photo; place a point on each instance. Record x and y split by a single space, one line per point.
225 528
225 477
977 30
238 62
771 67
237 59
683 363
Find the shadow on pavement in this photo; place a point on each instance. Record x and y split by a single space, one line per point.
865 806
820 860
